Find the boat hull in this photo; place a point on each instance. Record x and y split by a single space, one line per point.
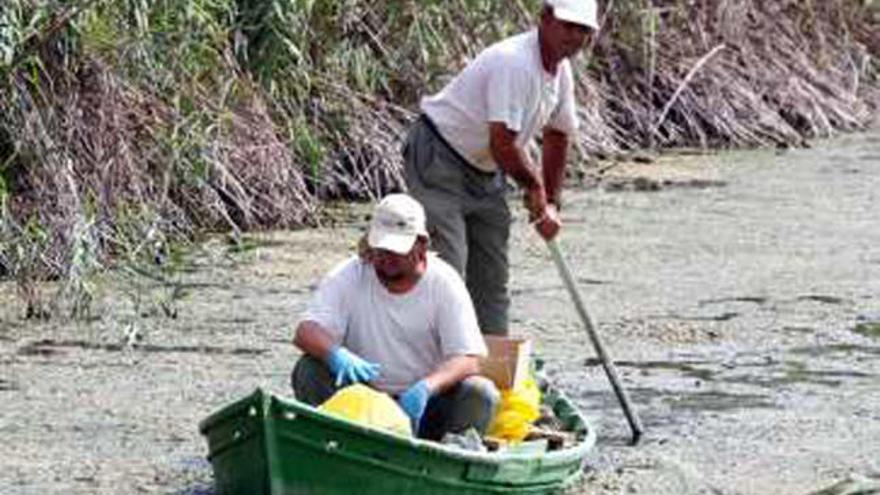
268 445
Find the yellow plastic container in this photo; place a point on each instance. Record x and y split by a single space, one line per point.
367 406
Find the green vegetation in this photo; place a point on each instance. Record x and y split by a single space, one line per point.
129 126
868 329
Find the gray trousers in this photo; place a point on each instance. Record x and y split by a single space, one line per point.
468 220
470 404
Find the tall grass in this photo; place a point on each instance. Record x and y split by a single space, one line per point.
129 126
739 72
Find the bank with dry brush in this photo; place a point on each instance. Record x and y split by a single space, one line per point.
128 126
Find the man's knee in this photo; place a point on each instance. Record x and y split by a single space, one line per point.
482 387
482 398
471 403
311 381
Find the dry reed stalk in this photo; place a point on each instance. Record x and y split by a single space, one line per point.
148 123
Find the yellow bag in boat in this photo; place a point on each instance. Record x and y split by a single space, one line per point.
519 408
367 406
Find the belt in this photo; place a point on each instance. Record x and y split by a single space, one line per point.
464 161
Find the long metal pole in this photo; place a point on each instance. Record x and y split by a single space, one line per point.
631 417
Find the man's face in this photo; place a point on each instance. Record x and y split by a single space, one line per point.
565 38
392 267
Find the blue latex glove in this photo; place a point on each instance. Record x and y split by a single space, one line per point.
347 367
413 402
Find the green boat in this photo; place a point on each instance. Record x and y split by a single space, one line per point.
264 444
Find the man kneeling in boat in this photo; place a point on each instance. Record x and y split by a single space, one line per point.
400 319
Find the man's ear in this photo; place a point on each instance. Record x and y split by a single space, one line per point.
422 245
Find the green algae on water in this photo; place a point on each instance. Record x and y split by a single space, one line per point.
868 329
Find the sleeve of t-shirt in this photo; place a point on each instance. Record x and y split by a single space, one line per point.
456 319
564 116
328 306
508 90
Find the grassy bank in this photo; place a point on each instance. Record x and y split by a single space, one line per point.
128 126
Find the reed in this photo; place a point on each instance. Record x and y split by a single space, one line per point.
127 127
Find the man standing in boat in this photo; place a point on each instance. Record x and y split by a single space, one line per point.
476 131
400 319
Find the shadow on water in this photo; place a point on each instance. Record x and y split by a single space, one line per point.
703 400
679 382
750 299
679 401
195 490
551 288
717 401
796 373
690 369
820 298
49 347
815 351
667 410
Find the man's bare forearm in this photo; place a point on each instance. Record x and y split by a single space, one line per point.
452 371
554 154
511 158
516 163
313 339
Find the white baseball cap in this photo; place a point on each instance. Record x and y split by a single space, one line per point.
581 12
397 220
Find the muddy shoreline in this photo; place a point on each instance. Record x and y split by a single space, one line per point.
728 287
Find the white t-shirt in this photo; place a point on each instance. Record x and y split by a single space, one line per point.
505 83
408 334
